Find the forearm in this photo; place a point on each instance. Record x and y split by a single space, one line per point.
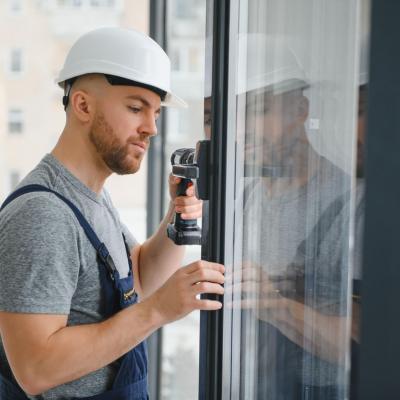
159 257
73 352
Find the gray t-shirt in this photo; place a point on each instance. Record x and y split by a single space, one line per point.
47 264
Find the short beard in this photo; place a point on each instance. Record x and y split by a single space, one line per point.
111 150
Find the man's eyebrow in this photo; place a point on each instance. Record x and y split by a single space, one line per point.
142 99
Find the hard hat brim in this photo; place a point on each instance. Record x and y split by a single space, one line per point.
171 99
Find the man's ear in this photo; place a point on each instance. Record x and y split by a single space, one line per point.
303 108
81 104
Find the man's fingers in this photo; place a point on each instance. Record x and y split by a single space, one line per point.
208 305
192 212
191 204
195 215
208 287
174 180
201 264
206 275
190 191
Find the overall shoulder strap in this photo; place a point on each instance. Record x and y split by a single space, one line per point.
100 247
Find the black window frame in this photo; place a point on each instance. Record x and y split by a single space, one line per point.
156 192
380 327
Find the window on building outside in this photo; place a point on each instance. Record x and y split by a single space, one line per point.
15 6
16 61
15 121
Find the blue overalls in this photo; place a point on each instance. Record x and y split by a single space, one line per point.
131 380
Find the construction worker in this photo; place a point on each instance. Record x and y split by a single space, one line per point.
71 322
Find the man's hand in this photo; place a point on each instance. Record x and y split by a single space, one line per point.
159 257
44 352
179 295
188 206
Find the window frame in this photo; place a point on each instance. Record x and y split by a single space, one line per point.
380 330
156 192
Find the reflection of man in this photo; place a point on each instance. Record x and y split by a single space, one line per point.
289 304
289 188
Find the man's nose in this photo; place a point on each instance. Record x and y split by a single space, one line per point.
149 125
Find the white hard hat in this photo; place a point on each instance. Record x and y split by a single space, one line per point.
122 53
267 62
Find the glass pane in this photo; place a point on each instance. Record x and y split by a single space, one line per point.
297 196
185 45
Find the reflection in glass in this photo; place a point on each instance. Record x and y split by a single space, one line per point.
297 134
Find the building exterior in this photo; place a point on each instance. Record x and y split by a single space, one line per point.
35 37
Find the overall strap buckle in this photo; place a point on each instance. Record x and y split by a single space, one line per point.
129 294
107 260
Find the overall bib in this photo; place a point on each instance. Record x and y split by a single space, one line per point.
131 380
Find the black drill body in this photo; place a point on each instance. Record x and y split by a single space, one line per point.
181 231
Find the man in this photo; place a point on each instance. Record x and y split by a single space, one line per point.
70 322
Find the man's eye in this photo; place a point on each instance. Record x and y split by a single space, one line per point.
134 109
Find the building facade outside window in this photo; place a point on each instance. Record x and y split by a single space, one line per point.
32 103
16 61
15 121
15 6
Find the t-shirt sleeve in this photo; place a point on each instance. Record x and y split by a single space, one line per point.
130 239
39 256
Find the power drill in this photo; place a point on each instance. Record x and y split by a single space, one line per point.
182 231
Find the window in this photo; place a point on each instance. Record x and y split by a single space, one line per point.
16 64
15 6
15 121
291 108
180 358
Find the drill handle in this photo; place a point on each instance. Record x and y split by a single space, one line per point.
182 186
184 231
181 191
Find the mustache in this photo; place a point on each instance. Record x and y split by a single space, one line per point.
145 140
